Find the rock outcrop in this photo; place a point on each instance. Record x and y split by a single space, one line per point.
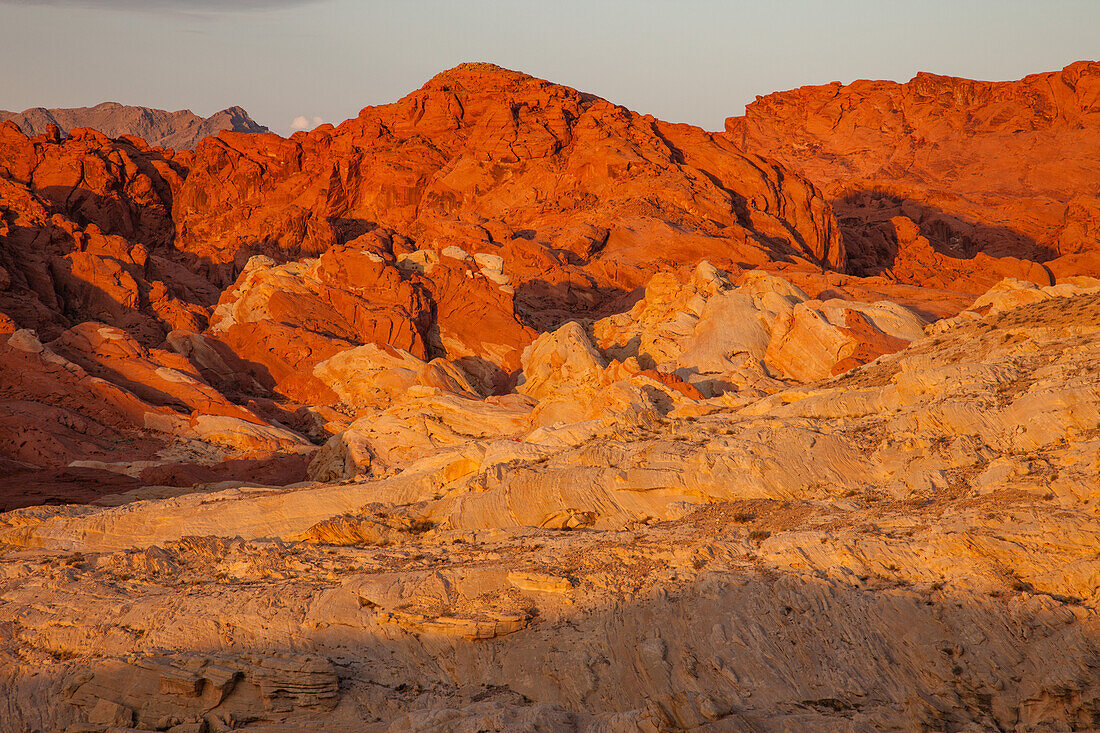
910 544
1005 169
502 407
720 337
557 182
94 412
455 224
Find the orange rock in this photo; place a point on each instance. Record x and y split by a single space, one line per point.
1081 231
156 376
917 261
581 201
378 376
287 318
56 270
870 342
473 219
94 405
479 143
1007 169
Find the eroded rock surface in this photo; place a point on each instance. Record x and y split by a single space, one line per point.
457 223
1001 169
910 544
502 407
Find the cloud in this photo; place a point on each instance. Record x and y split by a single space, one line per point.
301 122
179 6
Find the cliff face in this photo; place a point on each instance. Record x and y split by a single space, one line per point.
1004 168
521 158
181 130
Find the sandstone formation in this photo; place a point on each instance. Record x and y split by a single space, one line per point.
502 407
908 545
181 130
674 349
516 166
93 412
688 328
457 223
994 168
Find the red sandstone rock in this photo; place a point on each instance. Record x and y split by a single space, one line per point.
95 401
490 161
468 217
1003 168
479 143
122 186
285 319
55 271
917 261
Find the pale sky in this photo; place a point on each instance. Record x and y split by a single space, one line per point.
293 62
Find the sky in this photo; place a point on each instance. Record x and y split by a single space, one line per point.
295 63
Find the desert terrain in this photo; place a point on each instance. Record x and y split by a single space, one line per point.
504 407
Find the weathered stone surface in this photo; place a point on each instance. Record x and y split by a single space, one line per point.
995 174
488 207
496 135
377 376
720 337
606 440
192 689
94 412
807 558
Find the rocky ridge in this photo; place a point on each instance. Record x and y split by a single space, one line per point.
457 223
181 130
1001 169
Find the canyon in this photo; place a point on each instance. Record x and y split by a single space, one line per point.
503 407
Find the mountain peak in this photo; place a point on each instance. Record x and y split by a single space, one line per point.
482 78
469 69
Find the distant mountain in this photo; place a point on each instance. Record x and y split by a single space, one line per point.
179 130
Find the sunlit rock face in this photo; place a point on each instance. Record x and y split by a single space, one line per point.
992 176
502 407
656 559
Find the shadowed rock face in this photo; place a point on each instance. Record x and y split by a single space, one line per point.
1001 168
181 130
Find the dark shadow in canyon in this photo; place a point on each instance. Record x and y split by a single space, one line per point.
871 241
25 485
545 306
